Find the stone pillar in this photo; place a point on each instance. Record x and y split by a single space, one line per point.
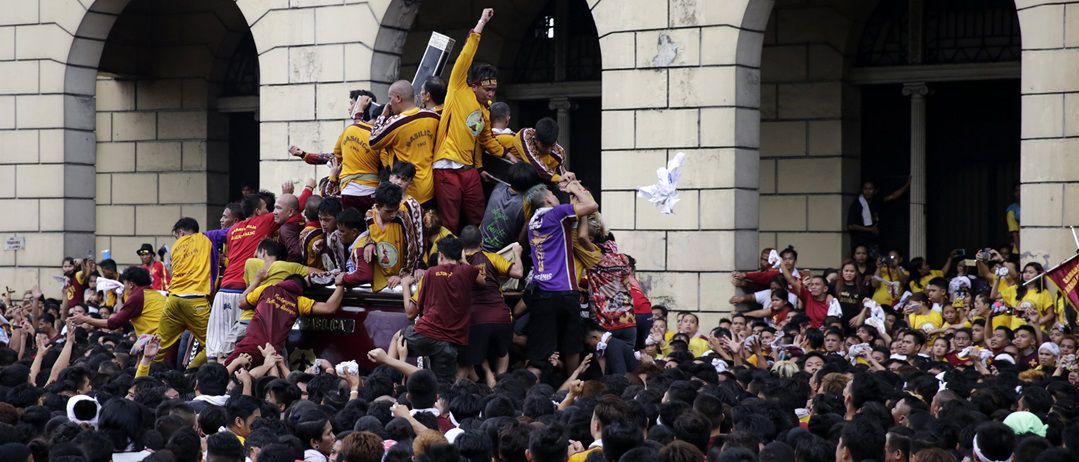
563 106
1049 173
917 92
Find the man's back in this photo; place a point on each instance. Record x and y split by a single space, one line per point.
191 265
503 219
445 299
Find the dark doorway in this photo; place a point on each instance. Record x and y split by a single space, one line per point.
584 148
243 153
972 162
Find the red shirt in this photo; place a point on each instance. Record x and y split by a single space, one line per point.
816 310
278 307
75 290
243 239
159 275
445 299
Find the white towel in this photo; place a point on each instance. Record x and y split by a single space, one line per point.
867 215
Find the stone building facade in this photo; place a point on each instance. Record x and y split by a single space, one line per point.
119 116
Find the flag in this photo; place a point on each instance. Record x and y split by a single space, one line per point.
1066 277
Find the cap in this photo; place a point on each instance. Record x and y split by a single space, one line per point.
146 249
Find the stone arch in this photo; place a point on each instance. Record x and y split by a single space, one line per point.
152 131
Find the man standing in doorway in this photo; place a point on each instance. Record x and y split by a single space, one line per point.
466 122
158 273
863 217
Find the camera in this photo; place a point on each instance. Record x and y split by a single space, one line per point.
959 253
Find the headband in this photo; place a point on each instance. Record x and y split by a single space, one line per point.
1051 347
978 453
487 81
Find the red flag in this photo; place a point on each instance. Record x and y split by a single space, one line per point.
1066 277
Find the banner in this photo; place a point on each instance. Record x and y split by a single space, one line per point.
1066 277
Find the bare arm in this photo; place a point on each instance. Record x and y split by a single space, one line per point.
379 356
64 359
586 204
898 193
331 304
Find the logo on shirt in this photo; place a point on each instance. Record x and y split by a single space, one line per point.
387 255
474 121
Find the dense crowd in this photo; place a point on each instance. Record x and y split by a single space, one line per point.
186 358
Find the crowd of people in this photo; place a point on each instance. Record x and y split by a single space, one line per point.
186 359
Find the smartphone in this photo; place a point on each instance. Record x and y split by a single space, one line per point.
970 262
106 254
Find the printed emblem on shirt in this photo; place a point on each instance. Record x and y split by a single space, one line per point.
474 121
387 255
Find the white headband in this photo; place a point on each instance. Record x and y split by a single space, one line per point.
978 453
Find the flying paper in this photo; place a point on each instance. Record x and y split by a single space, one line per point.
664 194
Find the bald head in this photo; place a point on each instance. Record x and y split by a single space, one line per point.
401 97
287 205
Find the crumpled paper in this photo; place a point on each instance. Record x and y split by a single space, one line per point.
664 194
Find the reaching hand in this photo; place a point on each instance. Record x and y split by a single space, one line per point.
288 188
242 360
369 251
400 410
553 359
310 183
295 151
42 342
393 281
243 375
353 379
335 167
488 13
153 346
339 280
585 363
378 355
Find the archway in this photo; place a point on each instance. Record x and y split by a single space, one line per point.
176 86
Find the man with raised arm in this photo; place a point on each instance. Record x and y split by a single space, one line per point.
354 164
553 303
465 123
407 134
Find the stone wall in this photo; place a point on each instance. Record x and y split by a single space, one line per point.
160 156
1049 149
810 139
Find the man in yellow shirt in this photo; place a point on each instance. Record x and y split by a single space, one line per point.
539 147
271 255
465 123
384 253
406 133
188 305
142 306
358 163
920 315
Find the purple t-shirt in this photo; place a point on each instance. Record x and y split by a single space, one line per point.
549 233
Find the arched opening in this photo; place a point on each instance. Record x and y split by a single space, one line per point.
965 57
889 91
547 53
176 109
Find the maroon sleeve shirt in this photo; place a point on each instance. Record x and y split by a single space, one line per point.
131 309
445 299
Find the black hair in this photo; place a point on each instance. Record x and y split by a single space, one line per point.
731 455
279 452
284 393
512 441
522 177
108 264
250 204
274 249
474 446
242 407
995 440
422 388
470 237
268 198
500 111
388 194
547 444
224 447
645 453
450 247
789 250
95 445
814 449
136 275
436 87
939 282
864 438
308 424
330 206
547 131
212 418
121 422
403 170
351 218
237 211
620 437
481 71
186 224
212 379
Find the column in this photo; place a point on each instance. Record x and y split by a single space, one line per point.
563 106
917 92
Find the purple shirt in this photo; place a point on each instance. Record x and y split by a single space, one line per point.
550 233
